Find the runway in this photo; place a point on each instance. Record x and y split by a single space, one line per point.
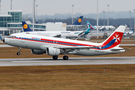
5 45
71 61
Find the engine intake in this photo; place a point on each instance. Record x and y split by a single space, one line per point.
52 51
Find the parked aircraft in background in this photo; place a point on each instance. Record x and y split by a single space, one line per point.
56 46
67 34
78 21
76 26
129 32
107 27
101 28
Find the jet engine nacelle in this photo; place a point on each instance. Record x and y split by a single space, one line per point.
36 51
52 51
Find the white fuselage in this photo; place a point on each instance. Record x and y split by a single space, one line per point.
42 43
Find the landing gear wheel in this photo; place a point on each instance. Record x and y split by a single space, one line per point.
55 57
18 53
65 57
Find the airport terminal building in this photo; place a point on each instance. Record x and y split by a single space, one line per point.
12 23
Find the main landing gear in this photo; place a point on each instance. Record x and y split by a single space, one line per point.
18 53
56 57
65 57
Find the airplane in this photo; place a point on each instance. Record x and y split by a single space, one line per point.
110 27
103 27
67 34
55 46
129 32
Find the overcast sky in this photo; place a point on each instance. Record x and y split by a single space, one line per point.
51 7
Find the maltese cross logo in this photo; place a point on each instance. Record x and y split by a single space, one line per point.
117 38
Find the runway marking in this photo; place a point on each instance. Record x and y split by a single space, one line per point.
34 61
72 61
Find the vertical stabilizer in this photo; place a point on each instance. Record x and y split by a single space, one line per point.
78 21
114 39
26 28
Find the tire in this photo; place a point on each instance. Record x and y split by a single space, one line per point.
18 53
55 57
65 57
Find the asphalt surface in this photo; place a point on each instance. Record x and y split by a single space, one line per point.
71 61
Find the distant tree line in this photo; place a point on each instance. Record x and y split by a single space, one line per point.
114 22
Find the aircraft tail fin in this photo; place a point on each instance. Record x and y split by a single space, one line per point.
78 21
132 30
26 28
88 28
92 27
114 39
85 32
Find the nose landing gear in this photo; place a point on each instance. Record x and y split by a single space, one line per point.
18 53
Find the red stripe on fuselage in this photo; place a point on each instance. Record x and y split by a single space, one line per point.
53 42
67 42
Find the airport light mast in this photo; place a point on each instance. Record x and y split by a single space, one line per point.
104 20
36 12
11 5
104 17
33 13
72 14
108 15
134 19
130 19
0 4
97 19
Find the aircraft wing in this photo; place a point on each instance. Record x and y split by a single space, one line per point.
79 47
70 49
55 35
117 49
67 49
